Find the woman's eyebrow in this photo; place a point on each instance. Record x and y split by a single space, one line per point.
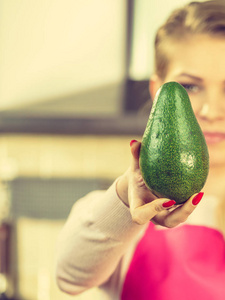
190 76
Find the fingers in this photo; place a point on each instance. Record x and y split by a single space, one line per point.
145 207
158 211
179 214
144 213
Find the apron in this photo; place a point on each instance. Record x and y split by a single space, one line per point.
186 262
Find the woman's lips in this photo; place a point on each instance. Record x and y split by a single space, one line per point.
214 137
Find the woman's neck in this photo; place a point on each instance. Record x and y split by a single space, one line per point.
215 184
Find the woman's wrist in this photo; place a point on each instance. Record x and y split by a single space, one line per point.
122 188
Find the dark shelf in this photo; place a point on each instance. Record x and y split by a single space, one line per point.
115 109
121 125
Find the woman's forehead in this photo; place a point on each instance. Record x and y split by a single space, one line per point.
199 56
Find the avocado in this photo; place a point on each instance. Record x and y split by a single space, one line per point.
174 159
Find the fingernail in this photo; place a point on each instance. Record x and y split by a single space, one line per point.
169 203
197 198
131 142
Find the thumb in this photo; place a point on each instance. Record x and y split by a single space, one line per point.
135 151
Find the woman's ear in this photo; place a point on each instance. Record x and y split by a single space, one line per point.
154 84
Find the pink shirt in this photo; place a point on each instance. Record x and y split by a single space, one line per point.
187 262
100 245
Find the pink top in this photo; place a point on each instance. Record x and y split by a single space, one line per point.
187 262
100 245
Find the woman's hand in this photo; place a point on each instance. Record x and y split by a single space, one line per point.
144 206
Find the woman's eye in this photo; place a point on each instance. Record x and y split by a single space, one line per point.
191 88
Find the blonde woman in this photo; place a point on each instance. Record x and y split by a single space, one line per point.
127 242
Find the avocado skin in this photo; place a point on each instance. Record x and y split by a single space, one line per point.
174 159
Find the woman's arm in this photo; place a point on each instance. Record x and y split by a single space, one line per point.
93 240
102 226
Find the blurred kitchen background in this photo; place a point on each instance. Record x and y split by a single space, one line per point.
73 88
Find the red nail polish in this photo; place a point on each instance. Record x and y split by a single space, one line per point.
197 198
133 141
169 203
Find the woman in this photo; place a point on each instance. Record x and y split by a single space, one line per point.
108 240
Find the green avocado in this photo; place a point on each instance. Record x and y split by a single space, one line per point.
174 159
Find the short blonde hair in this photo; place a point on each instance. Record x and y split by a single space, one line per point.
194 18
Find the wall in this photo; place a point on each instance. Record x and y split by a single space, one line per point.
55 48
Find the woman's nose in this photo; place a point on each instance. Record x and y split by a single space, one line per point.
213 109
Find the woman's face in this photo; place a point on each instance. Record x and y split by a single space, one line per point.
199 65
